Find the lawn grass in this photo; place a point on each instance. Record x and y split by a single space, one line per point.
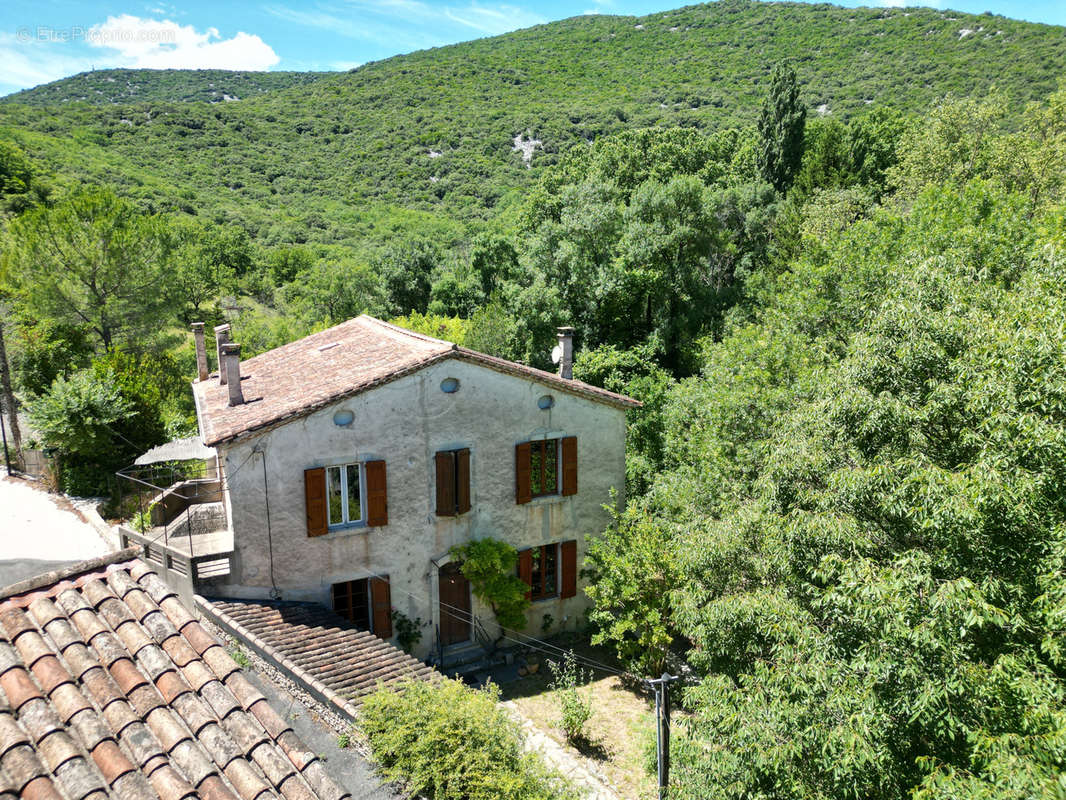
622 723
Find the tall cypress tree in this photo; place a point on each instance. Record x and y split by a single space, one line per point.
781 125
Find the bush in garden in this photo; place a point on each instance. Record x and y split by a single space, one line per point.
447 741
574 710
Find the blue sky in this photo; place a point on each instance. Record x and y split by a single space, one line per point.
50 39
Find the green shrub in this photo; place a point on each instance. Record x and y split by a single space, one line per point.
491 566
450 742
574 710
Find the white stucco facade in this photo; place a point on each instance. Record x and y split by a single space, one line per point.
405 422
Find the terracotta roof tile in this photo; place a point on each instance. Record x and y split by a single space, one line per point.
50 674
212 788
222 701
31 646
198 637
325 646
169 785
133 636
127 676
153 661
78 778
245 779
197 674
68 701
15 622
111 761
9 657
101 697
221 662
40 789
88 728
18 687
349 358
160 628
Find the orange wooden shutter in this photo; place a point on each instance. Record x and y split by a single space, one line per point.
445 483
377 503
381 607
523 486
569 562
315 500
525 570
462 481
569 459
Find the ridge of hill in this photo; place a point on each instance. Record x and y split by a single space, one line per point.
119 86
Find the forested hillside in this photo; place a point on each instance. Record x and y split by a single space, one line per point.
845 518
331 160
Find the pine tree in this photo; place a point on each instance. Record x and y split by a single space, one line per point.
781 124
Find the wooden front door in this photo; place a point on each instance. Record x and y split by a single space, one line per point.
454 605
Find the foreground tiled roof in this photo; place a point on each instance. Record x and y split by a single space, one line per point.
349 358
327 647
109 688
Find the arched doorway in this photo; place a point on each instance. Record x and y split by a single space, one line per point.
454 592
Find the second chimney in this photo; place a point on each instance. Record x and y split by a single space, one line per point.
201 351
566 352
221 337
231 369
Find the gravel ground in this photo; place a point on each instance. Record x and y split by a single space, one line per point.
40 532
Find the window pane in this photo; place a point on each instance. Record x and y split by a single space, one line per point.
336 501
537 575
355 508
535 465
551 451
550 569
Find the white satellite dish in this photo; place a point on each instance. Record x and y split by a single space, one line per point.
557 353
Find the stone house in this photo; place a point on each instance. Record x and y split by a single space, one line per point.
353 460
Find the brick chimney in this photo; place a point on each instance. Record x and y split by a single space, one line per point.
231 369
221 337
566 352
201 351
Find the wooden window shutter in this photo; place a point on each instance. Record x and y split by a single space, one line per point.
523 485
568 556
445 483
377 503
381 607
462 481
315 500
525 570
569 465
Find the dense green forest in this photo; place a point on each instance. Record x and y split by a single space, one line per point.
845 520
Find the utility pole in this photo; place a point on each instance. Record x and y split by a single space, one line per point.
661 686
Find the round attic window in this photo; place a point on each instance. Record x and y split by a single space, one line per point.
343 418
545 402
449 385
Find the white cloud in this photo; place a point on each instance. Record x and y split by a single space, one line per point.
164 44
34 56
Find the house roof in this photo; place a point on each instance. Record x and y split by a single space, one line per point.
300 377
323 645
110 688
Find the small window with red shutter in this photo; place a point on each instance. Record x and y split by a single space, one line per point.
453 482
345 495
545 467
367 603
549 570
